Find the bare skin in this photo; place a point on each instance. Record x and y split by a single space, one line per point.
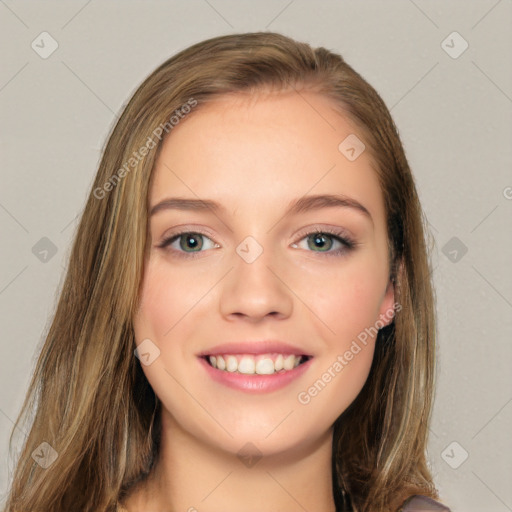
255 157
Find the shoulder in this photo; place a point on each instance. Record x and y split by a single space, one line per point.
419 503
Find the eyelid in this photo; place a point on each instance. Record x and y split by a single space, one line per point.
178 231
344 237
187 228
341 235
314 228
331 230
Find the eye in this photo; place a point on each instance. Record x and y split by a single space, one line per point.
187 243
327 241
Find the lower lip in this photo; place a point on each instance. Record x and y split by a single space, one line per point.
255 383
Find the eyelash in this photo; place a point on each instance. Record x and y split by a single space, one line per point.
348 243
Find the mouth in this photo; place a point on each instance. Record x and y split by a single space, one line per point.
261 364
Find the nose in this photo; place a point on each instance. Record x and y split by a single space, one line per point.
255 289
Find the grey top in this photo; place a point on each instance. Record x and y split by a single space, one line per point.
423 504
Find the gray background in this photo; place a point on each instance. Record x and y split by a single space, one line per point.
454 116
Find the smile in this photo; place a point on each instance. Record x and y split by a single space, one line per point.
262 364
250 373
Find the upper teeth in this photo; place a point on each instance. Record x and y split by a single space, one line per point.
264 364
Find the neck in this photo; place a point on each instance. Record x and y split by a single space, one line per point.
192 476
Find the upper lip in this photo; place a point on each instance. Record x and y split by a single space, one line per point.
254 347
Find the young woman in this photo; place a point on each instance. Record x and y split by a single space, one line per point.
247 322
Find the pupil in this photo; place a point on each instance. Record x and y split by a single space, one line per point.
192 242
319 239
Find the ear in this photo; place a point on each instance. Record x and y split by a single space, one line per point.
387 306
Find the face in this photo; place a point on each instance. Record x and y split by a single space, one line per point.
287 297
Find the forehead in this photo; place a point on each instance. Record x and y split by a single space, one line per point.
264 148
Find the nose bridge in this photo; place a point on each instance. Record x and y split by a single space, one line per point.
254 287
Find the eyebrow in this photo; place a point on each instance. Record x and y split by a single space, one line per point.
301 205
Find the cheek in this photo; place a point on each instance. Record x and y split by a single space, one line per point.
165 299
348 306
349 301
167 316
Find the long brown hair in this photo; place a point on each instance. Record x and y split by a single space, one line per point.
90 399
